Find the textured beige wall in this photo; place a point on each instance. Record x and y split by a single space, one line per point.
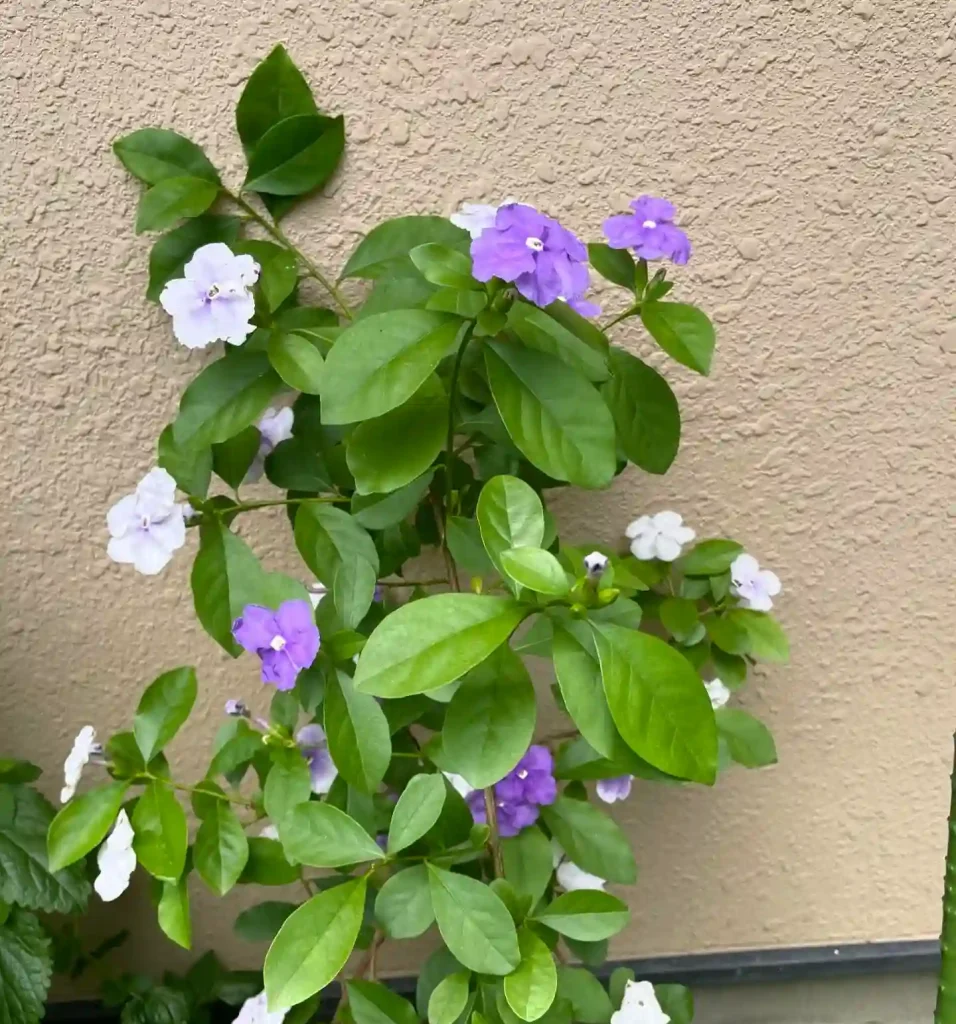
808 145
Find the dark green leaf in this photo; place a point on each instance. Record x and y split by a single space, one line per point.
379 511
261 922
220 850
646 413
749 741
586 994
385 249
26 967
267 864
160 837
591 839
191 468
614 265
174 199
156 154
374 1003
585 914
709 557
407 291
296 155
683 332
275 91
83 824
231 459
417 810
766 639
539 330
13 771
464 543
359 738
679 617
461 303
731 669
728 633
175 249
677 1002
162 709
322 836
404 903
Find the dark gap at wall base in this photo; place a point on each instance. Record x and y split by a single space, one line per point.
791 963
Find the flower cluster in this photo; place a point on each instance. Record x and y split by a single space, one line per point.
519 796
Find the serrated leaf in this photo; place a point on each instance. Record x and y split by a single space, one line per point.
26 967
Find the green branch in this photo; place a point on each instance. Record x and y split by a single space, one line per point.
946 993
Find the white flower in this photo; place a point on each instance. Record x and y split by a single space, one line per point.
116 860
475 217
570 876
459 783
639 1006
274 428
595 564
269 832
255 1010
146 527
755 587
84 746
718 693
316 593
213 300
659 536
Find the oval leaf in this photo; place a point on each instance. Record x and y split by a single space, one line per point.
174 199
220 849
298 360
684 332
539 330
615 265
155 154
417 810
404 903
296 155
710 557
163 708
160 837
510 515
646 413
83 824
175 249
448 998
385 249
359 738
275 90
591 839
586 914
531 988
536 569
322 836
748 740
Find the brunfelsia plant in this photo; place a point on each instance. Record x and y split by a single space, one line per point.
399 757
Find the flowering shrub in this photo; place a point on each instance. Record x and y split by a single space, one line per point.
400 757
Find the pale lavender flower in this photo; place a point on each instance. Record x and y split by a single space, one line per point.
236 709
213 300
255 1010
85 747
116 860
545 261
659 536
315 749
650 231
639 1005
286 640
612 790
146 527
519 795
476 217
274 428
755 587
718 692
594 565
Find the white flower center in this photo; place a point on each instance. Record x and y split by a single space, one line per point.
277 643
522 774
535 244
649 224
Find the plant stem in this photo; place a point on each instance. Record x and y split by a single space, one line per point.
195 789
627 313
249 506
494 841
946 993
280 236
441 582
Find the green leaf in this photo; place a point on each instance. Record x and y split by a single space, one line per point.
679 617
160 837
220 850
13 771
278 278
748 740
462 303
729 634
175 249
83 824
677 1001
389 451
448 998
288 785
657 702
162 709
766 638
474 923
231 459
322 836
156 154
590 1003
528 862
645 411
385 249
731 669
553 415
585 914
443 266
510 515
227 396
159 1005
379 511
372 1003
427 643
540 331
26 967
404 903
296 465
360 742
536 569
617 984
296 155
683 332
25 878
172 912
591 839
437 966
298 360
314 944
417 810
531 987
275 91
267 864
490 720
709 557
379 362
614 265
191 468
174 199
464 543
340 554
261 922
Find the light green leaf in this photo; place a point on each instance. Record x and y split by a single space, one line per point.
766 638
614 265
298 360
589 1001
585 914
538 330
278 277
379 362
677 1001
220 850
389 451
275 90
172 912
296 155
448 998
26 967
646 413
160 837
191 468
261 922
462 303
360 742
83 824
683 332
531 987
314 944
709 557
385 249
373 1003
553 414
379 511
474 923
404 903
427 643
727 633
322 836
591 839
174 199
536 569
287 785
175 249
510 515
227 396
657 702
443 266
417 810
748 740
156 154
490 720
528 862
162 709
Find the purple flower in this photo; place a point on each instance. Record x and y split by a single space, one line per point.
286 640
650 231
315 749
518 796
612 790
544 260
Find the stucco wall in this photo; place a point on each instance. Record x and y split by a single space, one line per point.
808 145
